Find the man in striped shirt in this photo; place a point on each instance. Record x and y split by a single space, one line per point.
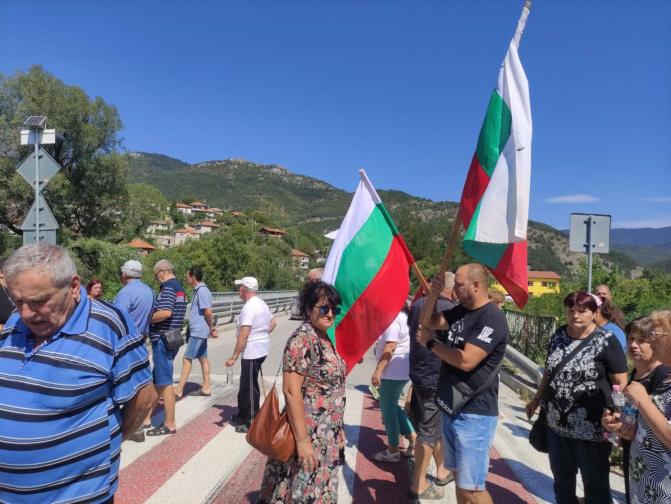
74 381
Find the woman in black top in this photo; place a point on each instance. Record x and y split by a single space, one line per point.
648 371
583 362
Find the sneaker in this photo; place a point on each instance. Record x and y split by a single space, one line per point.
387 456
242 428
137 436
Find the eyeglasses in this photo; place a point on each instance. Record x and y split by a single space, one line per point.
324 309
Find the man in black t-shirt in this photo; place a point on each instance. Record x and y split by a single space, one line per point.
475 346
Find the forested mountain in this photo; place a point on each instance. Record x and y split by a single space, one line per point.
314 206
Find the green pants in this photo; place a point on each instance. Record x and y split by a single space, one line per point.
395 419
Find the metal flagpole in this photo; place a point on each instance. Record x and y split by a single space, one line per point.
589 253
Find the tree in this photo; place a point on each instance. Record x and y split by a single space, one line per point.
88 197
145 204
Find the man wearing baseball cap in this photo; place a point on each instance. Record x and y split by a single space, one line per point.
135 297
254 326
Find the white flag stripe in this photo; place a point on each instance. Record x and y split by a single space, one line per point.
510 183
361 208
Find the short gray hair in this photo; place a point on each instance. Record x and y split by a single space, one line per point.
51 259
163 265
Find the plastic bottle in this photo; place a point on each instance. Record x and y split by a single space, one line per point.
624 406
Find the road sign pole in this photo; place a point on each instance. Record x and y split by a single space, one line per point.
589 253
37 189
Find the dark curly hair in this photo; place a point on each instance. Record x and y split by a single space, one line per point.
313 292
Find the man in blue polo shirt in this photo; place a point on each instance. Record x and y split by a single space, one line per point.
169 312
136 297
201 327
74 381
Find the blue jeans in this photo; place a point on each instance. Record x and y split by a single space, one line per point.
468 439
395 419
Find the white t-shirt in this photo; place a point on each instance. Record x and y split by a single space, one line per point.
256 314
399 365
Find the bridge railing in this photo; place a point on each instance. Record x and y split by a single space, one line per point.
227 305
529 339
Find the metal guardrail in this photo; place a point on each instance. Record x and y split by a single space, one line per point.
529 340
227 305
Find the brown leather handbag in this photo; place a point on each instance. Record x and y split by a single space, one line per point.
270 431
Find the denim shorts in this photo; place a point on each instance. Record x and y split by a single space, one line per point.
162 358
467 439
196 348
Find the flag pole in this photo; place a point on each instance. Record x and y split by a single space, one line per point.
427 309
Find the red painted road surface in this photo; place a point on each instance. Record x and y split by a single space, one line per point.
373 482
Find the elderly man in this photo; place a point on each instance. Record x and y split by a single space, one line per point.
136 297
169 313
74 381
603 291
255 323
468 384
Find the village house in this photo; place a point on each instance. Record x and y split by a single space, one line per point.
186 233
268 231
539 283
205 227
142 246
301 259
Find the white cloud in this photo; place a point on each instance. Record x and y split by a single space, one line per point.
651 222
573 198
662 199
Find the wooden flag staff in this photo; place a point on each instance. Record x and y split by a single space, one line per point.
427 309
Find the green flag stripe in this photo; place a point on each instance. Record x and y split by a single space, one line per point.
488 254
362 259
494 133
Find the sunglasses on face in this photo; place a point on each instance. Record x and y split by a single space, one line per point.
324 309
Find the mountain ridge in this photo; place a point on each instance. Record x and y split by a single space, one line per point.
318 207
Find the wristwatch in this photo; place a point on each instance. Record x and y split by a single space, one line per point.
430 343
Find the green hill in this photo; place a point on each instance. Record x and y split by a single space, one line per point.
313 206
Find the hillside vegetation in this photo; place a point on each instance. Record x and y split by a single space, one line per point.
314 206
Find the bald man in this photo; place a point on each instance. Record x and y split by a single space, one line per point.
468 384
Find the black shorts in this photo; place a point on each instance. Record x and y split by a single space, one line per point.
426 417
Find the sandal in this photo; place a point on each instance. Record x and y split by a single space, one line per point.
409 452
386 456
161 430
199 393
146 426
431 493
440 482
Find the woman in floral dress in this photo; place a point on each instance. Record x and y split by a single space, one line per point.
314 390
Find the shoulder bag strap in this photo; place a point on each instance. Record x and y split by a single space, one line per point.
312 360
482 387
568 357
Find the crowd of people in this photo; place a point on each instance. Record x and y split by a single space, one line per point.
61 433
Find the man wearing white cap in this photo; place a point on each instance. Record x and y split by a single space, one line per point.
255 324
135 297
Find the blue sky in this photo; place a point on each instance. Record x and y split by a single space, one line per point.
396 87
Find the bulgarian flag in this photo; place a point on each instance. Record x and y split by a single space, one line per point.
369 265
494 205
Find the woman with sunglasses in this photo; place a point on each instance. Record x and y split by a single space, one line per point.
314 391
392 351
